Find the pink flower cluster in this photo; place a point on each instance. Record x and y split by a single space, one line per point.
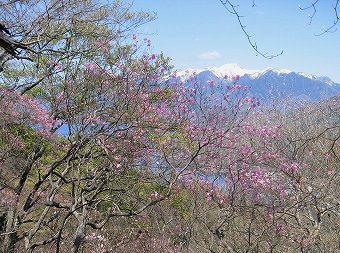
17 108
7 197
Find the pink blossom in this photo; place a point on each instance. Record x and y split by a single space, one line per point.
154 195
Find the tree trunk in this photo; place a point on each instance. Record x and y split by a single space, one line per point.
80 234
10 234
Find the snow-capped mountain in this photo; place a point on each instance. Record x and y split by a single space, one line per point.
232 69
271 83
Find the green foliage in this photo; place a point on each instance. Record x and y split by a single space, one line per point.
181 201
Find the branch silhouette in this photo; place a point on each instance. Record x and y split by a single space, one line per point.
231 8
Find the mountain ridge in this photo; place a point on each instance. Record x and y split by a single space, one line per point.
233 69
269 83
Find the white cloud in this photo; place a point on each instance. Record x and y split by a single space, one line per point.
210 55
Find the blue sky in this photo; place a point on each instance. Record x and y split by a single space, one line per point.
201 33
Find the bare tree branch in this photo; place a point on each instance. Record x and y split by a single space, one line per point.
231 8
329 29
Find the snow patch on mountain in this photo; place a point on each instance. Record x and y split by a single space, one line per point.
231 70
267 70
310 76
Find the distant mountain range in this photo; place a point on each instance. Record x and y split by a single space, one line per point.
271 83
